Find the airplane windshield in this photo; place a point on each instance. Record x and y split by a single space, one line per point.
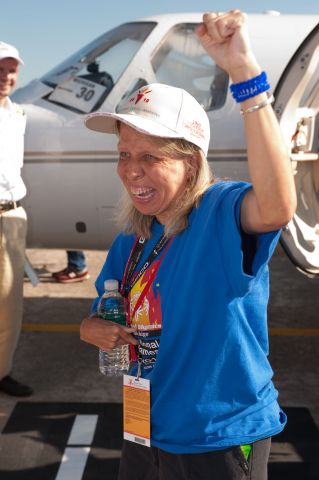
182 61
83 81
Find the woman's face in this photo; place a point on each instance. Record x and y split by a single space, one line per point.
153 180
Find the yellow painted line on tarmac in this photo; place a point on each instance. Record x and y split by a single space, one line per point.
71 327
293 332
51 327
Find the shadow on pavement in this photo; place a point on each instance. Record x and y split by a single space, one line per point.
41 430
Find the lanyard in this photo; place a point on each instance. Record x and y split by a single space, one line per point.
129 278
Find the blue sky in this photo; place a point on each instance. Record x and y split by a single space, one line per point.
47 32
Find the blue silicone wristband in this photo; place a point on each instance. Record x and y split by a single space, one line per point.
250 88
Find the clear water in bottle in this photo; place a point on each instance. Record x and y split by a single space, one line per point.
112 307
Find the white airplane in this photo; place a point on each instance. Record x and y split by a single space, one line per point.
70 171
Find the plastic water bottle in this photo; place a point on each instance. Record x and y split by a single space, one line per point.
112 307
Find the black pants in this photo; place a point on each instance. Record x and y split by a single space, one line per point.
143 463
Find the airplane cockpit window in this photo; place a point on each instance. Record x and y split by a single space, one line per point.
181 61
83 81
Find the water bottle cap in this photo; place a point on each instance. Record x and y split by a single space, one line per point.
111 284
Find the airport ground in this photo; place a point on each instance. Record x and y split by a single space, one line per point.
40 438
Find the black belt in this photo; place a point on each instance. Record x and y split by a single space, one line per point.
6 206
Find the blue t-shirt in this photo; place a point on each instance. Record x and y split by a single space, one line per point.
203 329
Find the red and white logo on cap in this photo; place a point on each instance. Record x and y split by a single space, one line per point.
195 129
140 95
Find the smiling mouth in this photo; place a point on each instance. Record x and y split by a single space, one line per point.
141 193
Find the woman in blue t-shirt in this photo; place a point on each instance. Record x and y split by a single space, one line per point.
192 261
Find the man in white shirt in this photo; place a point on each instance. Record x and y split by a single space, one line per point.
13 221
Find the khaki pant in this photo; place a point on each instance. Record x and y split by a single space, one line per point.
13 229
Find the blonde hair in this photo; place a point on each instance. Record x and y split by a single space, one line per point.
131 220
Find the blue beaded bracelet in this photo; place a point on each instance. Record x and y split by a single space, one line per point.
250 88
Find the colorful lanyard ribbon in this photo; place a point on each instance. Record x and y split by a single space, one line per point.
129 277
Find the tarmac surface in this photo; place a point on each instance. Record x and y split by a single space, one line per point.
40 439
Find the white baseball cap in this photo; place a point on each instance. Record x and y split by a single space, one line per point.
159 110
9 51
